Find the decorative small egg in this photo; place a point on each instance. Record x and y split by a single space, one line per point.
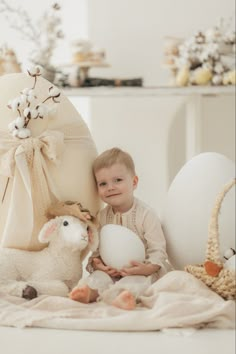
202 76
230 263
230 252
182 76
119 246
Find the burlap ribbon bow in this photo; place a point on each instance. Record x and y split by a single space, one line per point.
27 162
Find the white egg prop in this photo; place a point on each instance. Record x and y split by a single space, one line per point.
119 245
231 263
190 200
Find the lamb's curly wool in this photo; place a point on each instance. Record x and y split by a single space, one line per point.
57 268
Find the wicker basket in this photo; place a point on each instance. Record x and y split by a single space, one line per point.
212 271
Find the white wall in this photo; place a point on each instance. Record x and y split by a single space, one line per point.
132 32
74 18
153 130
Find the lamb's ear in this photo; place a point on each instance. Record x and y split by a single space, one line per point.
47 230
93 240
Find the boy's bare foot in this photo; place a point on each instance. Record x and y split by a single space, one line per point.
125 300
83 294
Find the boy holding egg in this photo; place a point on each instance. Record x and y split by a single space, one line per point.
116 181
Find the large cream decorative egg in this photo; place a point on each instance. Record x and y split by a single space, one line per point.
119 246
190 200
66 153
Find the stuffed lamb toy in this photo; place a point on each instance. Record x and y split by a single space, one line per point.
71 234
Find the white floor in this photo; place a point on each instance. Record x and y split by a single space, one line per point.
50 341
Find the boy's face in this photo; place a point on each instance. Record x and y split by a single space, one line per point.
115 186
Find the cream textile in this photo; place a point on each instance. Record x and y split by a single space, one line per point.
25 162
176 300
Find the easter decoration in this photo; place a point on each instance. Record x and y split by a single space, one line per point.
23 173
8 61
119 246
42 35
206 58
57 268
213 272
23 106
230 258
46 152
197 184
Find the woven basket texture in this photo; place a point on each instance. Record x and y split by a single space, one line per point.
212 271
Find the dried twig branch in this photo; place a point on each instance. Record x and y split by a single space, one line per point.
44 34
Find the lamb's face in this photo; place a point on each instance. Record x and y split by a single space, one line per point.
73 232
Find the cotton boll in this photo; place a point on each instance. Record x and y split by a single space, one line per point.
52 111
204 56
42 110
212 35
219 68
15 132
15 104
54 92
28 95
12 126
19 122
30 98
208 65
229 78
23 133
24 101
34 113
217 79
25 91
35 70
27 112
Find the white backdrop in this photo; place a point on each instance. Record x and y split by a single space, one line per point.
132 33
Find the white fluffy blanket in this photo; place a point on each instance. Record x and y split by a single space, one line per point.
176 300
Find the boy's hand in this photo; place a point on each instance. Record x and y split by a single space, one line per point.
138 268
99 265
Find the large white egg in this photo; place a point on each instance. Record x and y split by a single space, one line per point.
119 245
189 204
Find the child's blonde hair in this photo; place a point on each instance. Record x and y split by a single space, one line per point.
111 157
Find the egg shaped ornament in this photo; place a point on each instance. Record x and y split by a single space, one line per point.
49 158
187 211
231 263
119 246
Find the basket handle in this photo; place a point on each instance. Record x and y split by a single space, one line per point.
213 245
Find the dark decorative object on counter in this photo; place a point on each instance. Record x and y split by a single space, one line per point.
77 76
63 80
94 82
